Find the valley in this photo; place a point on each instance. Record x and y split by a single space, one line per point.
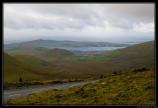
41 66
60 63
79 54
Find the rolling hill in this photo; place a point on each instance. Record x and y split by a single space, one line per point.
14 69
136 56
54 54
63 64
25 50
27 67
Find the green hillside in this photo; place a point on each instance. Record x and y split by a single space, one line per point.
13 69
54 54
27 67
139 54
30 59
29 50
130 88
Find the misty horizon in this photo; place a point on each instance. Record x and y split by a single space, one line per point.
79 22
130 41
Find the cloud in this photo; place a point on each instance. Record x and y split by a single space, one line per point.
67 19
144 27
49 16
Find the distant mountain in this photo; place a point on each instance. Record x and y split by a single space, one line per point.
59 44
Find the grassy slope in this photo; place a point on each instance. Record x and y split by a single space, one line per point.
136 55
28 67
25 50
53 55
13 69
30 59
132 88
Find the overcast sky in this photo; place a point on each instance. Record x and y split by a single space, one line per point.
80 22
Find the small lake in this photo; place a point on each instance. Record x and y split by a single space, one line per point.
91 49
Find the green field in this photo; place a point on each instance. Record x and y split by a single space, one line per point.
135 87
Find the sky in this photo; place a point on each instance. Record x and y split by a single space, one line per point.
79 22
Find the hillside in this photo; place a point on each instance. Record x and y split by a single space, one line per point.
27 67
27 59
130 88
20 50
54 54
13 69
136 56
63 64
